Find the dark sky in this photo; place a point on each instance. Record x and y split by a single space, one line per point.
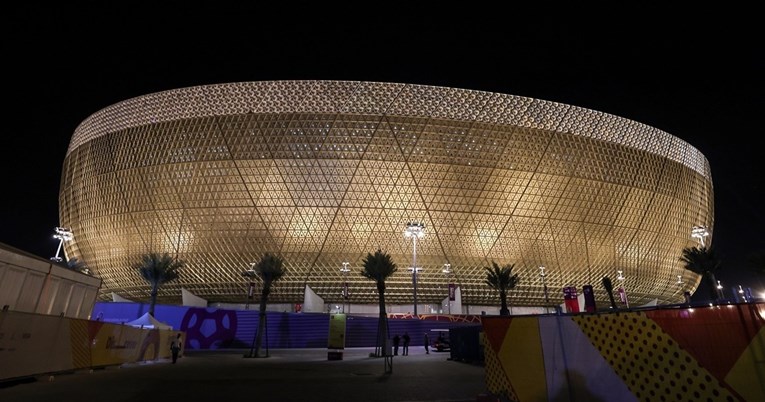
695 73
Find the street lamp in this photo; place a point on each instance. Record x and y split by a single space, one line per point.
253 273
414 230
720 292
346 295
700 232
622 291
62 234
686 294
543 275
741 293
447 271
250 274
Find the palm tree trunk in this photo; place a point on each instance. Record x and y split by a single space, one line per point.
382 323
262 317
503 310
154 291
611 298
609 290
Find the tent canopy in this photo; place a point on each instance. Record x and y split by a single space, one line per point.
149 322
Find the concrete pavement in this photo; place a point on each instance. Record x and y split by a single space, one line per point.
287 375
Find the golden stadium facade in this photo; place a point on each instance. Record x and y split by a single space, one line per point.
324 172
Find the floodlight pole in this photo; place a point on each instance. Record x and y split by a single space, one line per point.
700 232
346 295
447 271
543 275
415 230
623 291
720 292
250 275
252 271
62 234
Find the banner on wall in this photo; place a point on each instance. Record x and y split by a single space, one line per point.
452 291
571 300
589 298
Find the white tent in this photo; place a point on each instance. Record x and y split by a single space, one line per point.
651 303
118 298
148 322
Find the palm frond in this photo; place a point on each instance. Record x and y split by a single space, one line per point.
378 266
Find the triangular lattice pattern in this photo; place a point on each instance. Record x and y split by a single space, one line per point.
326 172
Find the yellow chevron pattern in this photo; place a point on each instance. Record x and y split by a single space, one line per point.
650 362
496 378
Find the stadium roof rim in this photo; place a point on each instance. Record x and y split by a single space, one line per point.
383 98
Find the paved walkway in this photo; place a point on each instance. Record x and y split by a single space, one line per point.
286 375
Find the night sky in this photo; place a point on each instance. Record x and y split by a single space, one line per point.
697 74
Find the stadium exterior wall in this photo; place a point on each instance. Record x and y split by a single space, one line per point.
324 172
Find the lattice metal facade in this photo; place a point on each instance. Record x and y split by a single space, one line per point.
323 172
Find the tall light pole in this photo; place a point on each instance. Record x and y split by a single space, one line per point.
686 295
414 230
346 295
250 274
62 234
447 271
622 291
720 292
543 275
700 232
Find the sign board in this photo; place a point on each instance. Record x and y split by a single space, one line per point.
589 298
571 299
336 331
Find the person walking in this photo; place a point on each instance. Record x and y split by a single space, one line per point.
427 344
406 338
175 347
396 340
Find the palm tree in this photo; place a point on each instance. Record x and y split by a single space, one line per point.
610 290
158 269
378 267
501 279
702 260
270 268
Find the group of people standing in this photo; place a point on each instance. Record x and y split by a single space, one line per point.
405 351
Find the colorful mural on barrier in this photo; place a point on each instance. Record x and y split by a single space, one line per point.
32 344
212 328
707 353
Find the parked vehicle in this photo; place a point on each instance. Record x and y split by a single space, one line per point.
440 342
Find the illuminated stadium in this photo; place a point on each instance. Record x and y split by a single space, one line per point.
324 172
